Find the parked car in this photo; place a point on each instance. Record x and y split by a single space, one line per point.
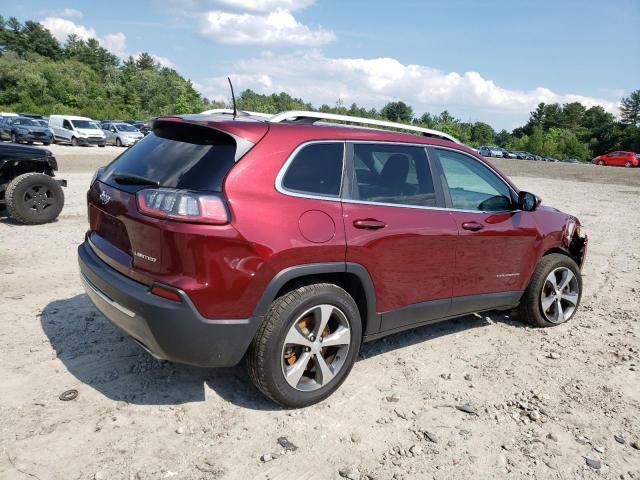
29 191
143 127
289 243
24 129
619 158
121 134
76 130
490 151
570 160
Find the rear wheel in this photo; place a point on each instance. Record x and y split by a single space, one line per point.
554 293
306 346
34 198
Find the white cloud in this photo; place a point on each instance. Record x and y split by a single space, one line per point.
265 5
278 27
373 82
115 42
61 28
64 13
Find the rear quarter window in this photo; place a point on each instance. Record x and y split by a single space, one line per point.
178 156
316 169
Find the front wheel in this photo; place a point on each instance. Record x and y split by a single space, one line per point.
74 142
601 163
554 293
306 346
118 142
14 139
628 164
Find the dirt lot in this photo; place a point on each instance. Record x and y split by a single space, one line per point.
557 403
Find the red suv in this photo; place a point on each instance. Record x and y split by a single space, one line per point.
620 158
291 242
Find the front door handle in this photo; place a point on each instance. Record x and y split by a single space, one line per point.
369 224
473 226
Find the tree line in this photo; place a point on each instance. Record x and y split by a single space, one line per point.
40 75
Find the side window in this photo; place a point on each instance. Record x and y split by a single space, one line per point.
472 186
66 124
316 169
397 174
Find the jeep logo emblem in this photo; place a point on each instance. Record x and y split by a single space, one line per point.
105 198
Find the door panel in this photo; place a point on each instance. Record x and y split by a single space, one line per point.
395 230
495 248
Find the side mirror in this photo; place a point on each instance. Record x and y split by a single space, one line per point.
528 202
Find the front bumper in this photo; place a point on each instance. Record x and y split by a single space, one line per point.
168 330
27 137
91 141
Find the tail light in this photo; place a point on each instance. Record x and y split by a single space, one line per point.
182 206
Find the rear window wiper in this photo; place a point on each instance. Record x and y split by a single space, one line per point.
132 179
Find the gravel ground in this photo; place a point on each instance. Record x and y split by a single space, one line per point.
478 397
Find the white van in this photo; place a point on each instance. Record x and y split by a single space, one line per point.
76 130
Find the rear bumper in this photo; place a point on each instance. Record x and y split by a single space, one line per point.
169 330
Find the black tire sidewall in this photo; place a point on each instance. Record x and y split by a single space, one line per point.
15 194
280 390
118 142
532 307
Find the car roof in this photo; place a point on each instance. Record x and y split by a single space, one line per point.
71 117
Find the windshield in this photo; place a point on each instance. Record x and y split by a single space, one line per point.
42 123
25 121
85 124
125 127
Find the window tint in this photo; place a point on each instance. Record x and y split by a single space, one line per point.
472 186
177 156
316 169
66 125
398 174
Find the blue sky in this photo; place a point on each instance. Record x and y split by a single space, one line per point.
490 60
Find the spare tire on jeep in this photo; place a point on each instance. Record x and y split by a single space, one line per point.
34 198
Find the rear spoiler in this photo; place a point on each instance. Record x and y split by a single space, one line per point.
244 135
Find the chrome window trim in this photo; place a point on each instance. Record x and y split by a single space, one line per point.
293 193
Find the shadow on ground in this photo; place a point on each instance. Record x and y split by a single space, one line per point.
102 357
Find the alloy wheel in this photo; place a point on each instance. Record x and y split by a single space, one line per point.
560 294
315 348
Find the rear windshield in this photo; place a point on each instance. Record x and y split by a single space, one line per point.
177 156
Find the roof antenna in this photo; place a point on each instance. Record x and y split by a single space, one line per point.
233 97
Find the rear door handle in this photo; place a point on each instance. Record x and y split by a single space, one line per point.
369 224
473 226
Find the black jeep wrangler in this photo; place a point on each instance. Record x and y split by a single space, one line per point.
28 191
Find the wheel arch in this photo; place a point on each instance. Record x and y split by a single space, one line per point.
352 277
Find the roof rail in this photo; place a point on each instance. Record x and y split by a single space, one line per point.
229 111
312 117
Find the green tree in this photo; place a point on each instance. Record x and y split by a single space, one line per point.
397 112
482 134
630 108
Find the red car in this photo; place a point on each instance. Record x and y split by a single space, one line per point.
291 243
620 158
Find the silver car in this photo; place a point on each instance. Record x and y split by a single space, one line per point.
121 134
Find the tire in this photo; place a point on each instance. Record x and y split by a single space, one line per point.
541 288
601 163
46 144
118 142
269 355
34 198
628 165
102 146
14 139
74 142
